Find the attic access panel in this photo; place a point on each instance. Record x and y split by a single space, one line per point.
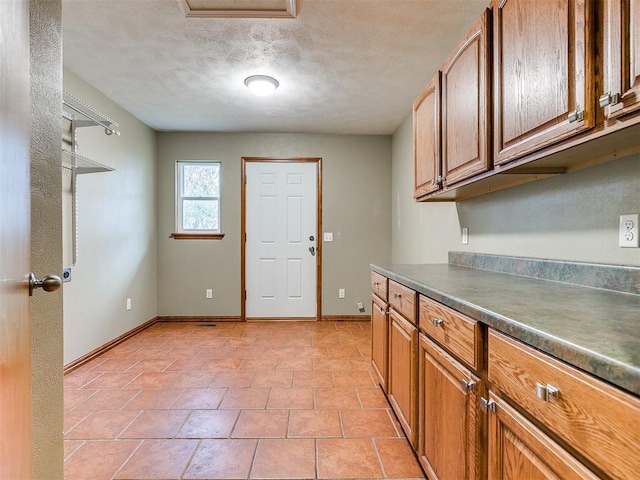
238 8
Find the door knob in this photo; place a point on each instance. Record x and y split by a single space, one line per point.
312 238
313 251
49 283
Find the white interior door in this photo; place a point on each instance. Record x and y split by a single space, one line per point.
281 244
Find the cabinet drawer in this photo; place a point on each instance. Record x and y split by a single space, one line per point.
403 299
379 285
599 421
455 332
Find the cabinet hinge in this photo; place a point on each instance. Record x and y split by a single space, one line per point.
487 406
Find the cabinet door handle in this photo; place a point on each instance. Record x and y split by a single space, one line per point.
487 406
609 99
436 322
467 385
576 115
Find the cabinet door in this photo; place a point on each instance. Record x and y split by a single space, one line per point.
621 58
379 341
450 431
543 74
426 139
465 106
517 449
403 362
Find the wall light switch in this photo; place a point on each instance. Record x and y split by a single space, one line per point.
328 236
209 293
341 293
128 304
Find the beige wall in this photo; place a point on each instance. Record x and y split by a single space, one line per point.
116 230
356 208
46 237
421 232
569 217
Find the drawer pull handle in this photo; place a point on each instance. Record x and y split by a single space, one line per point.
397 295
543 392
375 284
436 322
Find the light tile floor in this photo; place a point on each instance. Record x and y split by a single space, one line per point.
234 401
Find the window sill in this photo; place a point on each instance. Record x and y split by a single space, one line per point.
197 236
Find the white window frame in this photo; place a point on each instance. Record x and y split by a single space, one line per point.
180 198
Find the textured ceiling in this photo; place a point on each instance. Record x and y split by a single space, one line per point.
344 66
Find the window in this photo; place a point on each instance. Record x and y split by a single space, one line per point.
198 197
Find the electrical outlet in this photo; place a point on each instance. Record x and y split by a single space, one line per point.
341 293
209 293
128 304
360 306
465 236
628 232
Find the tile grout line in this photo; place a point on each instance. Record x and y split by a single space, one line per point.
193 454
127 460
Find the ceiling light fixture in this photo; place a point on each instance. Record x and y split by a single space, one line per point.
261 85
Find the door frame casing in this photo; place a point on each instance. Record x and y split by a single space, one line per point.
243 226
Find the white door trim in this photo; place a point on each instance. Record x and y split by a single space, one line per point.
243 231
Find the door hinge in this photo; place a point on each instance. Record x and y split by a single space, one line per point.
245 238
245 295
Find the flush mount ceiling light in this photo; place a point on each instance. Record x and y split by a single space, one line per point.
261 85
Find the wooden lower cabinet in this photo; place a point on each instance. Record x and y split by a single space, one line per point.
451 433
517 449
402 382
380 340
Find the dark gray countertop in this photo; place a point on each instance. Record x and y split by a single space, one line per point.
595 330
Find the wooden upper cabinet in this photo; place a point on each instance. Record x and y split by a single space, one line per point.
543 74
621 58
465 106
426 139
